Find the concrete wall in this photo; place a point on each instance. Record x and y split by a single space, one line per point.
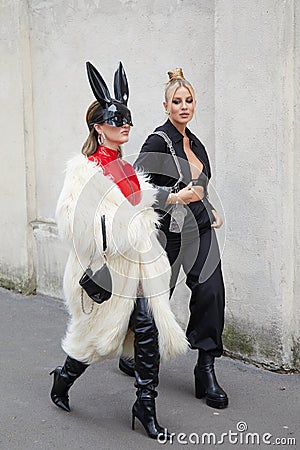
243 60
296 192
17 159
255 152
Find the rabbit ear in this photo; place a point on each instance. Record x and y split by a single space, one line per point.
121 85
98 85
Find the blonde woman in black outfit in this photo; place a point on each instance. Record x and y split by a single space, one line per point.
188 223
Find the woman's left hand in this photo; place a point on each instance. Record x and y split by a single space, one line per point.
218 222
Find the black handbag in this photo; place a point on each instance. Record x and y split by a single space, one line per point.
98 285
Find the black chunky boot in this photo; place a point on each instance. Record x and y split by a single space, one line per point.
146 367
64 377
126 365
206 384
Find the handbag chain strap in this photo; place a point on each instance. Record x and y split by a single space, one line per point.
104 247
87 313
172 151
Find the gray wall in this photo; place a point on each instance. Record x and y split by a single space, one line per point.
255 95
243 60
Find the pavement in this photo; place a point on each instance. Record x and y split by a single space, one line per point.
263 409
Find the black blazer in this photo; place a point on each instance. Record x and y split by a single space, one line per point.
156 160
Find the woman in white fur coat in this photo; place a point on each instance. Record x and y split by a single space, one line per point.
137 318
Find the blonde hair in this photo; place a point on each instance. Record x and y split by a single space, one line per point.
177 80
91 144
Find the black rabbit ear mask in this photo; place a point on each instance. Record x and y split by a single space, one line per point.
114 110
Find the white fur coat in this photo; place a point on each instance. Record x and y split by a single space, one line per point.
133 254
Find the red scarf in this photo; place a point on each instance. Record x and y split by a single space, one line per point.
119 171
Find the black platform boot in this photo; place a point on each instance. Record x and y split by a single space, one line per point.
206 384
146 370
126 365
64 377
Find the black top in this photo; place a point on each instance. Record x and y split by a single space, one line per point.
156 160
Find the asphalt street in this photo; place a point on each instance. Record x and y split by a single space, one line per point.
263 410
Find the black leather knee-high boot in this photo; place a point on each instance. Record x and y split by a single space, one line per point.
206 383
64 377
126 365
146 369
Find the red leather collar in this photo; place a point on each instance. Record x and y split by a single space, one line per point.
119 171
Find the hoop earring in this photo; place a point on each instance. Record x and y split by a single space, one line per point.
101 138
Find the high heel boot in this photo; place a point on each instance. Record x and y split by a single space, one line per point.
146 367
206 384
64 377
144 410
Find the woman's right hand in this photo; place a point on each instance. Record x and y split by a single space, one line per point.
186 194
